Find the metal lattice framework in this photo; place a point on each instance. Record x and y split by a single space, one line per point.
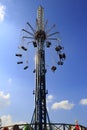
54 126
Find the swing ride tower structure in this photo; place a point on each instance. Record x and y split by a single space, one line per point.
41 39
40 87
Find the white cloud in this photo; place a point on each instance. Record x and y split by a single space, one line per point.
6 120
2 12
4 100
63 105
49 98
83 101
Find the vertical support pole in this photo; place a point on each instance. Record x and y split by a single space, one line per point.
40 88
63 126
40 18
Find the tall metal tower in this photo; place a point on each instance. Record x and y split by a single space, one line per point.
41 40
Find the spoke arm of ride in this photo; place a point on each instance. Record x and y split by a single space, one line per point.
50 28
28 37
31 27
52 34
46 24
28 32
52 39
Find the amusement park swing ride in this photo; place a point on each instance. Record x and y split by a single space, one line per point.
41 38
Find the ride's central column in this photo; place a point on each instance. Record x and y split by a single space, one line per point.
40 88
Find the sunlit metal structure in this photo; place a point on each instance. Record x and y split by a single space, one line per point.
54 126
41 39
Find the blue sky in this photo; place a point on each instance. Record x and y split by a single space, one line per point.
67 87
